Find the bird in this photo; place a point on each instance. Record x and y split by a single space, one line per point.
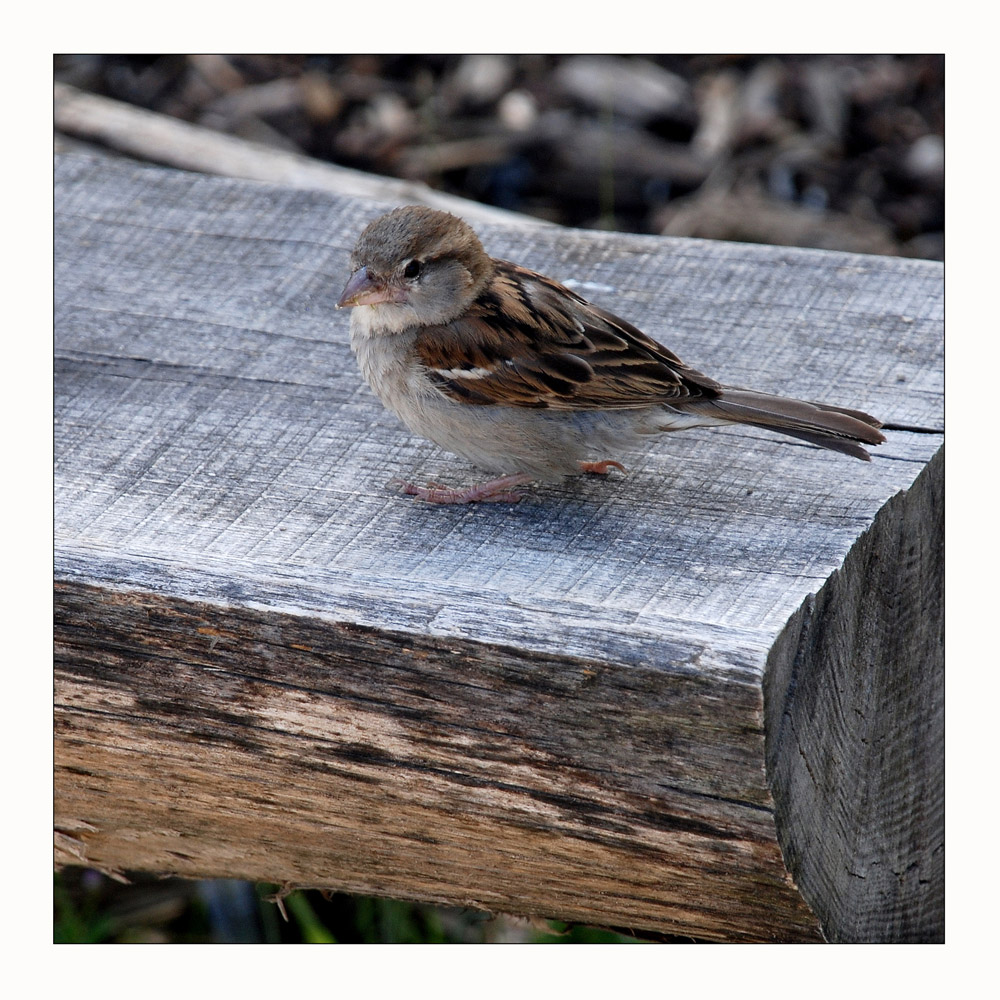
523 377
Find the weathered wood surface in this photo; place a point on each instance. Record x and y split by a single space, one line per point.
854 716
271 666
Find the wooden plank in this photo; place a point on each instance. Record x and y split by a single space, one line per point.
271 666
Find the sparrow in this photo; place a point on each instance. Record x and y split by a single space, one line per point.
524 378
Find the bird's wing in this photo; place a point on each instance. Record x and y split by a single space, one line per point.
529 341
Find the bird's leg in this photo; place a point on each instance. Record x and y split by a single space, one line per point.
495 491
601 468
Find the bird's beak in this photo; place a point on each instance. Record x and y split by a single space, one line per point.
363 290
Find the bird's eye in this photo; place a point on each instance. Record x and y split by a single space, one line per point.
413 269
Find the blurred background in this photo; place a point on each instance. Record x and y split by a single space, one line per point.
829 151
91 908
834 151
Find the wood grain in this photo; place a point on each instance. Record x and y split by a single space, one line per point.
272 666
855 723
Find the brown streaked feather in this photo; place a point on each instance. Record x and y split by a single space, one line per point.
835 427
528 341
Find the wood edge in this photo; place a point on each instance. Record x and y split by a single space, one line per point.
852 678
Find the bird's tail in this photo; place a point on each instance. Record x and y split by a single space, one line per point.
833 427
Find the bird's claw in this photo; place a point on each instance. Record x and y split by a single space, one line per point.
602 468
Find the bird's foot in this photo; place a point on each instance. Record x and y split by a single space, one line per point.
601 468
495 491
